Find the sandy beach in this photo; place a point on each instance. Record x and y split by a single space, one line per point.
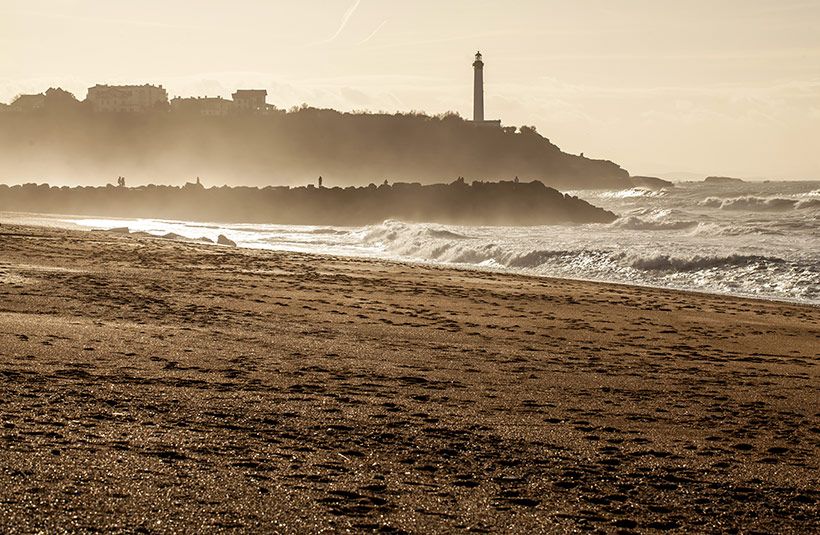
155 386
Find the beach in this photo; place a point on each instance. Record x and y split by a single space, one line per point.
160 386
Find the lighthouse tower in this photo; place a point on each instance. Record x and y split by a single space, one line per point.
478 89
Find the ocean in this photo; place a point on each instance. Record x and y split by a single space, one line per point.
754 239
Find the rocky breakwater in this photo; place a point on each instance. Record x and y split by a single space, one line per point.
458 203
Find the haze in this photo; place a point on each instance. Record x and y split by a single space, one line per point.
664 88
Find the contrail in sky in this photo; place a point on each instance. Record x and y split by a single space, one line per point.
372 35
345 18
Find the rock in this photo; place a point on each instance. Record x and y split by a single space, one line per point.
651 182
722 180
119 230
222 240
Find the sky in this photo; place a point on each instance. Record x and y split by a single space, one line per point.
664 88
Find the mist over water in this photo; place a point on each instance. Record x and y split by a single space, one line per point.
747 239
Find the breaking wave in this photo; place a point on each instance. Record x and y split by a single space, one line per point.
441 233
752 203
329 231
703 261
537 258
665 262
632 193
638 223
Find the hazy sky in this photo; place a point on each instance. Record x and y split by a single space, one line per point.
709 87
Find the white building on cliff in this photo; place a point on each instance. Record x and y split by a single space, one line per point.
126 98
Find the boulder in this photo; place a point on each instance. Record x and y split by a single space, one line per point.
222 240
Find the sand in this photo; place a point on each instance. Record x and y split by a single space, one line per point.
158 386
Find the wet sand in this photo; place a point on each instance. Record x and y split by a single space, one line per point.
159 386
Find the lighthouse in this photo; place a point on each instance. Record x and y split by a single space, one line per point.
478 95
478 89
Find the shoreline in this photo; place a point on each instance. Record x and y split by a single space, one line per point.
409 261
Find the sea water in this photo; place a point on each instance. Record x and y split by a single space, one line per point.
747 239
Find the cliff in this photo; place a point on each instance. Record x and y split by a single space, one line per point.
76 144
479 203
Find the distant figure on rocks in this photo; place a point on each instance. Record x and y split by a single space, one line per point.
121 181
320 181
194 185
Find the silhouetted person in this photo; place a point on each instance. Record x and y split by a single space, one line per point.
121 181
320 181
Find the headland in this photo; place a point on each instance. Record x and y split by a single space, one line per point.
74 141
